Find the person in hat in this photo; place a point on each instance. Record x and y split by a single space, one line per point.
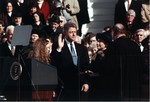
103 39
33 7
17 21
34 35
54 29
97 65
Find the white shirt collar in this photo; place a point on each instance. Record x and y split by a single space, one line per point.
126 4
10 13
40 3
9 45
68 44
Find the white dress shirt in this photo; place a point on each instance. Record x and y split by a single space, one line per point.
68 44
126 4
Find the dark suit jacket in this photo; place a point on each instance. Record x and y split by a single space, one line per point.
122 73
68 73
5 51
83 16
120 11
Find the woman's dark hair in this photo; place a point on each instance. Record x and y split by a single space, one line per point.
6 3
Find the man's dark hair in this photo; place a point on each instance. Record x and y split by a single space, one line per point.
68 25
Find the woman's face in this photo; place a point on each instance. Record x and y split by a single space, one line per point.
34 37
101 45
1 28
9 7
49 46
36 17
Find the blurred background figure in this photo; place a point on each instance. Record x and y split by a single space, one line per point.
123 6
3 39
44 8
37 22
139 37
62 21
131 25
2 32
72 7
33 7
17 20
8 13
145 11
83 15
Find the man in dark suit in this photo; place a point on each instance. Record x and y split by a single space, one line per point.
6 50
71 60
9 54
122 7
122 72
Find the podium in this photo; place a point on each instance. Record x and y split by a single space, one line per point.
18 83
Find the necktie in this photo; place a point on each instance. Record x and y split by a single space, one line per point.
12 50
128 4
74 57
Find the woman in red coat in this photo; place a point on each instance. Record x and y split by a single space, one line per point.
44 8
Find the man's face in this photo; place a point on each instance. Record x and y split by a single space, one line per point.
33 9
71 34
130 18
18 20
54 25
10 35
139 37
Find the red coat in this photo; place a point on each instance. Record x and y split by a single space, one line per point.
45 9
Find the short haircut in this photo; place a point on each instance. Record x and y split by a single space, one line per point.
131 12
10 27
68 25
118 29
140 30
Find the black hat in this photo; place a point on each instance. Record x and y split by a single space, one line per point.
54 18
105 36
41 34
18 14
33 4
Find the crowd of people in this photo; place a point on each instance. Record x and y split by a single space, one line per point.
111 65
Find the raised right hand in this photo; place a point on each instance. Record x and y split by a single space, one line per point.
60 42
